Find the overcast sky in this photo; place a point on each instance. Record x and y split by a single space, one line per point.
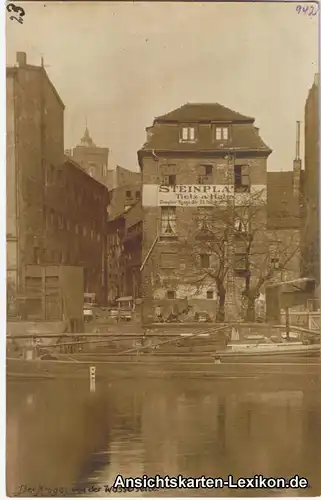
122 64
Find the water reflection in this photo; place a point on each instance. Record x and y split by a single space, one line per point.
60 434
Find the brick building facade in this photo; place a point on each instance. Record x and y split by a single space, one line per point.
35 142
56 213
196 160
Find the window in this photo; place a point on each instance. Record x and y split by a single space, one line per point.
240 254
137 195
203 179
36 255
76 228
169 180
204 261
168 221
208 169
171 294
205 219
239 262
210 294
68 225
84 231
60 222
241 178
128 194
221 133
241 224
169 260
275 263
188 134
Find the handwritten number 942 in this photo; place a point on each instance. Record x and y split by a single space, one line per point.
309 10
11 7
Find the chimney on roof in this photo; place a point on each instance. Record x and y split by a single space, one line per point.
21 59
316 79
257 130
297 165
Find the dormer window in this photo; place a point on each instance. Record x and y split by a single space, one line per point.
187 134
221 133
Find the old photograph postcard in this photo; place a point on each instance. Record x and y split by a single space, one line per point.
162 245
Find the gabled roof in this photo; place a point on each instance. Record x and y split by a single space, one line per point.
203 112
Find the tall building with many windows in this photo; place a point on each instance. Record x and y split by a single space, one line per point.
56 212
35 143
199 162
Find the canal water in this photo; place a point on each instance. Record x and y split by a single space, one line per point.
59 435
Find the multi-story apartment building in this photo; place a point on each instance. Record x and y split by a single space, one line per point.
115 258
311 186
133 250
35 142
124 239
124 253
56 213
197 160
75 224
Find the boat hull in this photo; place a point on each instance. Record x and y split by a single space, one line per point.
267 353
167 367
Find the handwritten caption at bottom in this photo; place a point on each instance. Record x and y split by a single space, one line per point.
44 491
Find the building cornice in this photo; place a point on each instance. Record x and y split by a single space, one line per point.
253 153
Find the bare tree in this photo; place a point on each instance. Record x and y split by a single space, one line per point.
236 240
209 252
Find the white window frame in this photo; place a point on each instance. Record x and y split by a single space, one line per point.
188 134
168 218
221 133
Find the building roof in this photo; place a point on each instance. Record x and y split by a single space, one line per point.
244 137
282 207
134 214
164 136
69 160
203 112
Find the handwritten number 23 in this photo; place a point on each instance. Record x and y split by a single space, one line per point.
18 10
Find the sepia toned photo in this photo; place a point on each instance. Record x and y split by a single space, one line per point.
162 249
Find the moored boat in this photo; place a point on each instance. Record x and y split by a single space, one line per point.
176 355
261 348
